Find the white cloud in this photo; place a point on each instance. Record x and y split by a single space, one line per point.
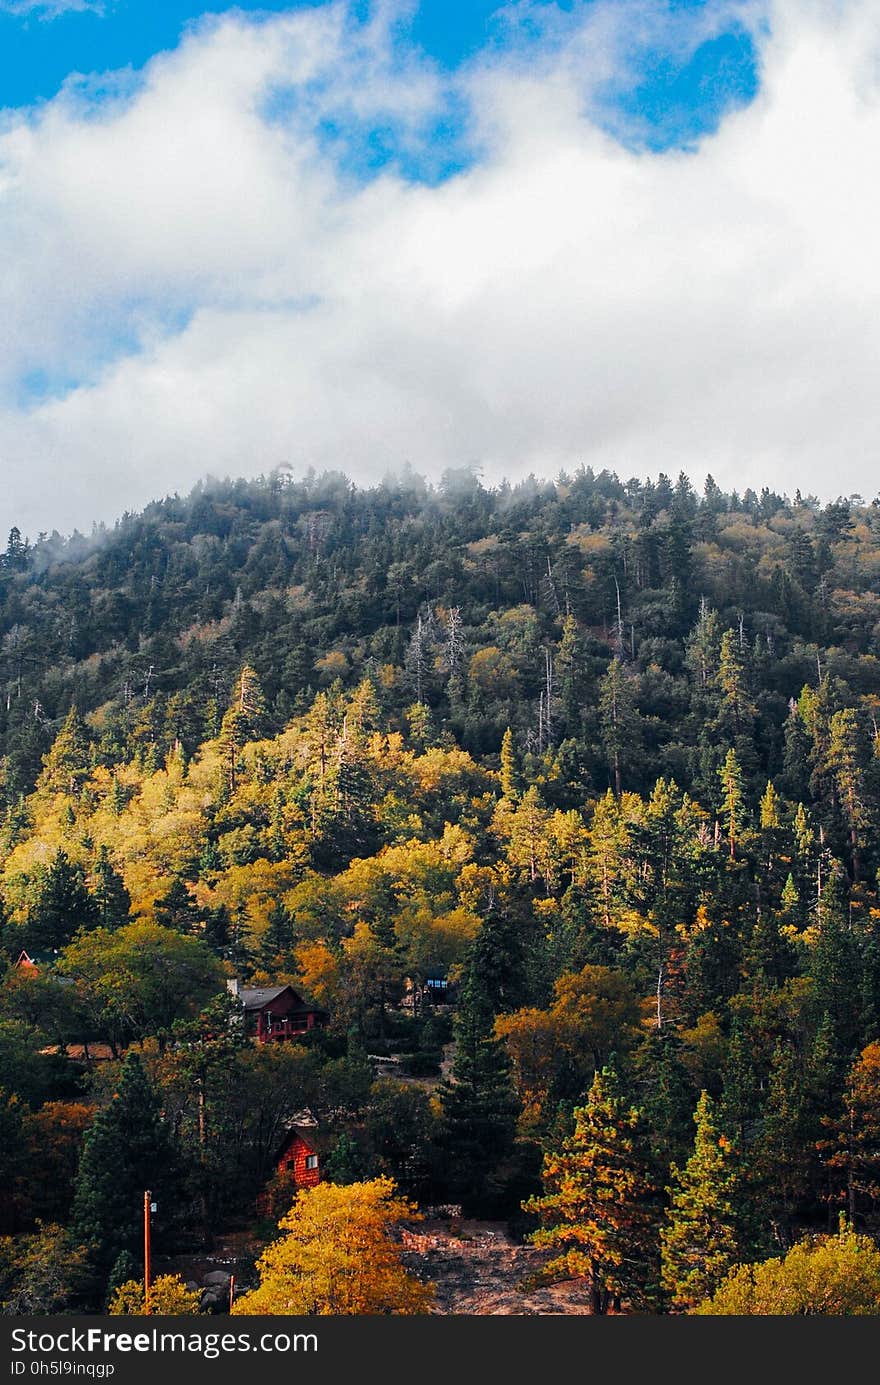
230 300
49 9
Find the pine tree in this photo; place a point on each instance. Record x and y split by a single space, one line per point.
243 721
528 836
769 809
847 756
666 1095
740 1100
66 765
17 549
421 730
769 953
702 653
790 904
851 1150
619 720
836 971
497 961
61 905
606 856
699 1241
479 1104
112 900
787 1140
277 938
736 710
732 799
128 1149
510 777
416 659
571 665
218 928
176 908
770 818
796 756
600 1207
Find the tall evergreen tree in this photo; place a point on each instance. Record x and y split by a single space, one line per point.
620 722
243 721
732 799
127 1150
510 777
736 710
112 900
848 755
497 961
699 1241
176 908
851 1149
600 1207
478 1103
60 906
66 764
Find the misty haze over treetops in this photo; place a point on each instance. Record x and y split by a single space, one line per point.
634 235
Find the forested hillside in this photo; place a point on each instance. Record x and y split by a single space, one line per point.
602 755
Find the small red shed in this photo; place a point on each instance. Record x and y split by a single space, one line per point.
298 1157
27 962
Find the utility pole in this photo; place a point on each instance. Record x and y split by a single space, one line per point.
148 1206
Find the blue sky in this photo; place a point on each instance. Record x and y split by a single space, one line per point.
366 234
667 100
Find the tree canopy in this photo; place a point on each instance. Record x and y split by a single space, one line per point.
337 1256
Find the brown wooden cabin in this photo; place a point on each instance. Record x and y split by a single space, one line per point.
276 1013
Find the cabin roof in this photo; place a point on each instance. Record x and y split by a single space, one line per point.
26 958
255 997
316 1139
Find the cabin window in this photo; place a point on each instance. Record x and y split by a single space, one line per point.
311 1161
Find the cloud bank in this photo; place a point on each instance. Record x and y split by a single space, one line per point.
208 268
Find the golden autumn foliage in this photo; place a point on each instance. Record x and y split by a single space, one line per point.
834 1276
594 1011
169 1297
338 1257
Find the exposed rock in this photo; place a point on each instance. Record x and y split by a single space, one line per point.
482 1271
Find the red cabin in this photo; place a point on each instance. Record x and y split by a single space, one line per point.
298 1158
273 1013
26 961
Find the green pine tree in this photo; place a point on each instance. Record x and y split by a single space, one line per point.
600 1207
127 1150
736 710
176 908
60 905
112 899
478 1103
732 799
66 764
511 782
699 1241
620 722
